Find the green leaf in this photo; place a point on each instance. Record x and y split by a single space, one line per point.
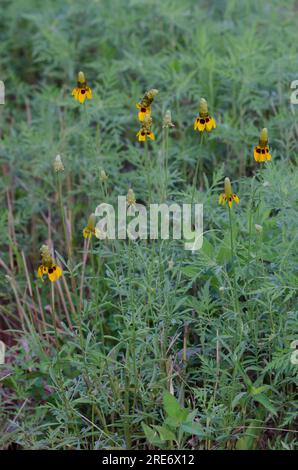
193 428
151 435
263 400
174 411
253 431
165 433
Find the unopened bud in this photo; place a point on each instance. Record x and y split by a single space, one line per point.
58 165
258 228
167 120
103 176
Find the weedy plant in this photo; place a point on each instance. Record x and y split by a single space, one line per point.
141 344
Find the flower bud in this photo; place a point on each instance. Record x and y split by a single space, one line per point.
167 120
103 176
258 228
58 165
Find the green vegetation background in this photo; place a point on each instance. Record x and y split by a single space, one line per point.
154 316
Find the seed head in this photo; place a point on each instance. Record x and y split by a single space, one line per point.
103 176
81 77
203 107
228 187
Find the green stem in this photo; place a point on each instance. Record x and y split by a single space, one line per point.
233 261
62 215
148 170
166 157
199 161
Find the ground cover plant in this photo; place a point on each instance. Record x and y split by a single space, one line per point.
141 344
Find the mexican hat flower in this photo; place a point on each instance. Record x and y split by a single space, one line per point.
144 105
90 229
261 151
48 266
82 90
145 131
228 194
204 121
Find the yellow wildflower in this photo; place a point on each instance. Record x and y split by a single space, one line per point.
145 130
261 151
90 230
144 105
204 121
48 266
228 194
82 91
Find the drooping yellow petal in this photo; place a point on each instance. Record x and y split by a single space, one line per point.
268 156
201 125
40 271
143 112
141 135
209 124
222 199
213 122
54 273
236 198
230 201
82 96
151 136
257 153
89 93
86 232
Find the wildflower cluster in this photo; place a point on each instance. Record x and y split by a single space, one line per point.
203 122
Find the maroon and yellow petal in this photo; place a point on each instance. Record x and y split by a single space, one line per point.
54 273
141 136
236 198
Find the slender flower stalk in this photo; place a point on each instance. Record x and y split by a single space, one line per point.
229 196
198 165
167 123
